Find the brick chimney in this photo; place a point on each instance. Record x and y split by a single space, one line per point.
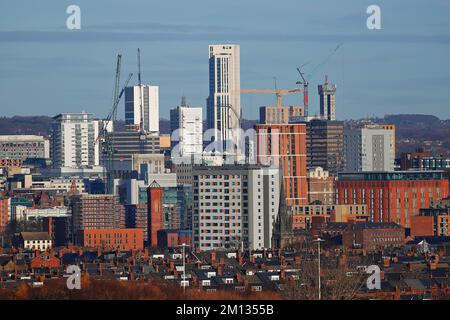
297 260
386 261
213 256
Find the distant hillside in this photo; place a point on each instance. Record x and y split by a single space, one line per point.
39 125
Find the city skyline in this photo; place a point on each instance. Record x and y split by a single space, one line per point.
373 68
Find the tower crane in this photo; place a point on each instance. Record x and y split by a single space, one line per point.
306 79
104 135
142 135
278 92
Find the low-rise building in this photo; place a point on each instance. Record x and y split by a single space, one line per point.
121 239
33 240
303 215
431 222
373 236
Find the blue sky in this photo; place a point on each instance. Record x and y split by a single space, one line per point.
402 68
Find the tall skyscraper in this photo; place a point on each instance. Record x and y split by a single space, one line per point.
189 123
327 93
146 96
370 147
224 101
74 141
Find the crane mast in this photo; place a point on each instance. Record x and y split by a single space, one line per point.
107 137
142 135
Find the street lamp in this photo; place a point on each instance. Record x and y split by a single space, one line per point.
318 240
184 267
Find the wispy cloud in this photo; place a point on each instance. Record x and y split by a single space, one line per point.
159 35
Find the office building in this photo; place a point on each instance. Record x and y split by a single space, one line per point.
131 148
74 142
392 196
284 146
373 236
224 101
327 94
280 114
235 205
304 216
423 160
186 125
142 100
115 239
325 145
15 149
370 147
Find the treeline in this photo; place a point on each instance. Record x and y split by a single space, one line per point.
56 289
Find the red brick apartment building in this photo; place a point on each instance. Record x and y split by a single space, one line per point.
284 145
392 196
122 239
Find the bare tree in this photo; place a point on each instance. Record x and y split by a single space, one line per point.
339 281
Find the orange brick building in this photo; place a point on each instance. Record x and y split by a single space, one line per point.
284 145
122 239
155 220
4 212
392 196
